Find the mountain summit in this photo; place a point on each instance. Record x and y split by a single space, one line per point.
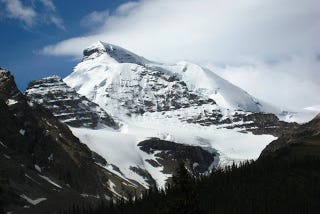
111 76
116 53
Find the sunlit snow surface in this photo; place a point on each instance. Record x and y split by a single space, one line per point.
119 147
101 76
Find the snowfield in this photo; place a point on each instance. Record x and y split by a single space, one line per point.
119 147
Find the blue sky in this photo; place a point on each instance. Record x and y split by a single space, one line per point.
270 48
21 43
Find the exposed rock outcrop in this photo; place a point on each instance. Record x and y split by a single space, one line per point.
66 104
168 154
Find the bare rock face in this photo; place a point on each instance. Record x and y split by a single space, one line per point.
153 91
264 123
169 154
256 122
8 87
66 104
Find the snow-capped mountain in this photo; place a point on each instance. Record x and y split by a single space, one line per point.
117 80
178 108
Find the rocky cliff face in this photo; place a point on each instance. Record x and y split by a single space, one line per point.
169 154
264 123
42 162
66 104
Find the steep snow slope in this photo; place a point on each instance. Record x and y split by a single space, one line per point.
223 92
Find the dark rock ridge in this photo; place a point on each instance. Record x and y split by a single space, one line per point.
43 166
263 123
300 138
168 154
66 104
257 123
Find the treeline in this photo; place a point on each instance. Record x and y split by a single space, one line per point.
271 185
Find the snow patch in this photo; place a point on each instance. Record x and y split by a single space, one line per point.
38 168
31 201
2 144
7 156
22 131
11 102
50 181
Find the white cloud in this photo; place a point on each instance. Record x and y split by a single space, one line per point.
15 10
57 21
95 18
29 16
278 38
292 84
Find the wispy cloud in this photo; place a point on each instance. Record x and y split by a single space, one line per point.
48 4
292 84
16 10
95 18
278 38
28 15
57 21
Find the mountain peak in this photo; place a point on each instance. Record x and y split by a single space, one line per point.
108 70
117 53
8 87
